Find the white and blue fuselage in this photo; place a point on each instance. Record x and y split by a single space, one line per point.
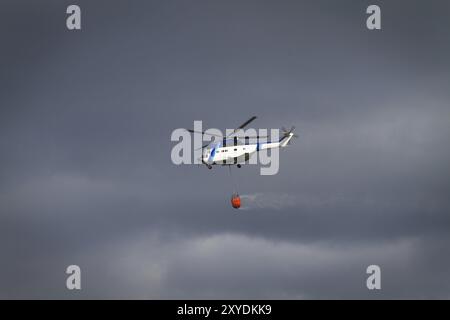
220 154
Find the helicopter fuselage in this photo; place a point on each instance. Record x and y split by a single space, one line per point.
218 154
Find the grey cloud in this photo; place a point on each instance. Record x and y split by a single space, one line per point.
86 176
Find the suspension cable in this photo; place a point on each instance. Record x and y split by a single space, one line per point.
233 180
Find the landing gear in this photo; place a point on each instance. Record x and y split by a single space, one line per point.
207 165
239 166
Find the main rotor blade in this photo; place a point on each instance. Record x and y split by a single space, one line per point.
242 125
246 123
205 133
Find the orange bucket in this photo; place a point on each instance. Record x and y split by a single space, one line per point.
235 201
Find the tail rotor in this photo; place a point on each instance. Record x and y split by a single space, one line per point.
286 133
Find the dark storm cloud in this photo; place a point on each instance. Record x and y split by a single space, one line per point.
86 176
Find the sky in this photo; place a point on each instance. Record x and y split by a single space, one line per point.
86 176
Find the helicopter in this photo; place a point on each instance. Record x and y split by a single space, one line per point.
230 151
